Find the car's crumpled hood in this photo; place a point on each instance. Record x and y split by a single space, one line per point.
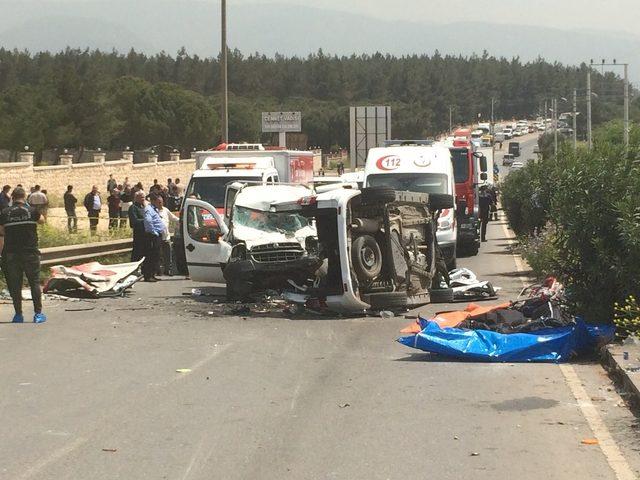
252 236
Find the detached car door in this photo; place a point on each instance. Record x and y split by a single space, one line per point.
205 245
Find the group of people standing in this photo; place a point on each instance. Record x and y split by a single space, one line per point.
119 200
151 224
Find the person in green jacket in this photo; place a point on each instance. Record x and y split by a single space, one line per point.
136 222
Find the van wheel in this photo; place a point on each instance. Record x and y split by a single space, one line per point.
238 290
452 263
371 195
441 295
394 300
366 258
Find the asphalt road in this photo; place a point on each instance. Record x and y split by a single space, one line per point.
94 394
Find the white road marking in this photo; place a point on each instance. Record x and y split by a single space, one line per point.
607 444
41 464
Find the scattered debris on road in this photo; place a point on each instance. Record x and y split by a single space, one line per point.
92 279
467 287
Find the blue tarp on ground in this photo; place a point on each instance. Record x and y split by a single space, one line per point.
550 345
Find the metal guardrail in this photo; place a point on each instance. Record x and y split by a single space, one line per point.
86 251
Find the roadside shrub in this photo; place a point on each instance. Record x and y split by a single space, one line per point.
579 219
627 318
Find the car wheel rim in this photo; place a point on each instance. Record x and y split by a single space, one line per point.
368 257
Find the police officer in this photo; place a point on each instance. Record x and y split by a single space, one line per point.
20 254
485 201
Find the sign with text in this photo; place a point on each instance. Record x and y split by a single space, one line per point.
281 122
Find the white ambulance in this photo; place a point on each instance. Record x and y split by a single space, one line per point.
417 166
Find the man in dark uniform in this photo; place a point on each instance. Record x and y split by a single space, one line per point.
485 201
136 222
20 254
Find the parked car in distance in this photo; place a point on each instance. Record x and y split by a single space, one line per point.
507 160
508 133
517 165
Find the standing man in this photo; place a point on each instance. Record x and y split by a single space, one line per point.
70 201
20 254
38 200
178 187
168 219
485 201
153 227
111 183
114 203
93 204
5 198
136 222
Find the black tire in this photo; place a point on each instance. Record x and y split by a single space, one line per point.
452 263
238 290
440 201
441 295
366 258
372 195
379 301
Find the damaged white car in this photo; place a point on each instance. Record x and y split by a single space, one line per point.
254 248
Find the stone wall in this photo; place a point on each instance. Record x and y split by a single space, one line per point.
84 175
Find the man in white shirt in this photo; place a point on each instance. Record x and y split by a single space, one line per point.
169 219
38 200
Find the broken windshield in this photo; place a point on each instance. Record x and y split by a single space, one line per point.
281 222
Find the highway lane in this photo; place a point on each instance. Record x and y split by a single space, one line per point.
95 394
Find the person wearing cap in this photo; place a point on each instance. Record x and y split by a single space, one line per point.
20 254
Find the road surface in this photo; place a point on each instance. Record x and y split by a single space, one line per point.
95 394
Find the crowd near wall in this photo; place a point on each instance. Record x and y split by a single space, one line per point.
83 176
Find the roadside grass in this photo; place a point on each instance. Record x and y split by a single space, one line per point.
49 236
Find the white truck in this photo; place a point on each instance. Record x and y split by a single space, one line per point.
215 169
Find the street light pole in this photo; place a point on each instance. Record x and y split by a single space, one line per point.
575 119
626 105
223 74
450 119
589 132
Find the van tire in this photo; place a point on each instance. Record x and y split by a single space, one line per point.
372 195
366 258
393 300
441 295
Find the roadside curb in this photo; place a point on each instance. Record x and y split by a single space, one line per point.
624 371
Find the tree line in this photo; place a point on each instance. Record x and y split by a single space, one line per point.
111 100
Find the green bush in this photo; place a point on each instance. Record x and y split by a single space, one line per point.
583 223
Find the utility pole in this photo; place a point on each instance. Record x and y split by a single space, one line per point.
589 132
575 119
554 104
450 119
491 124
223 75
546 108
626 105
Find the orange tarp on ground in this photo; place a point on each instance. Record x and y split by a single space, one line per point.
456 317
